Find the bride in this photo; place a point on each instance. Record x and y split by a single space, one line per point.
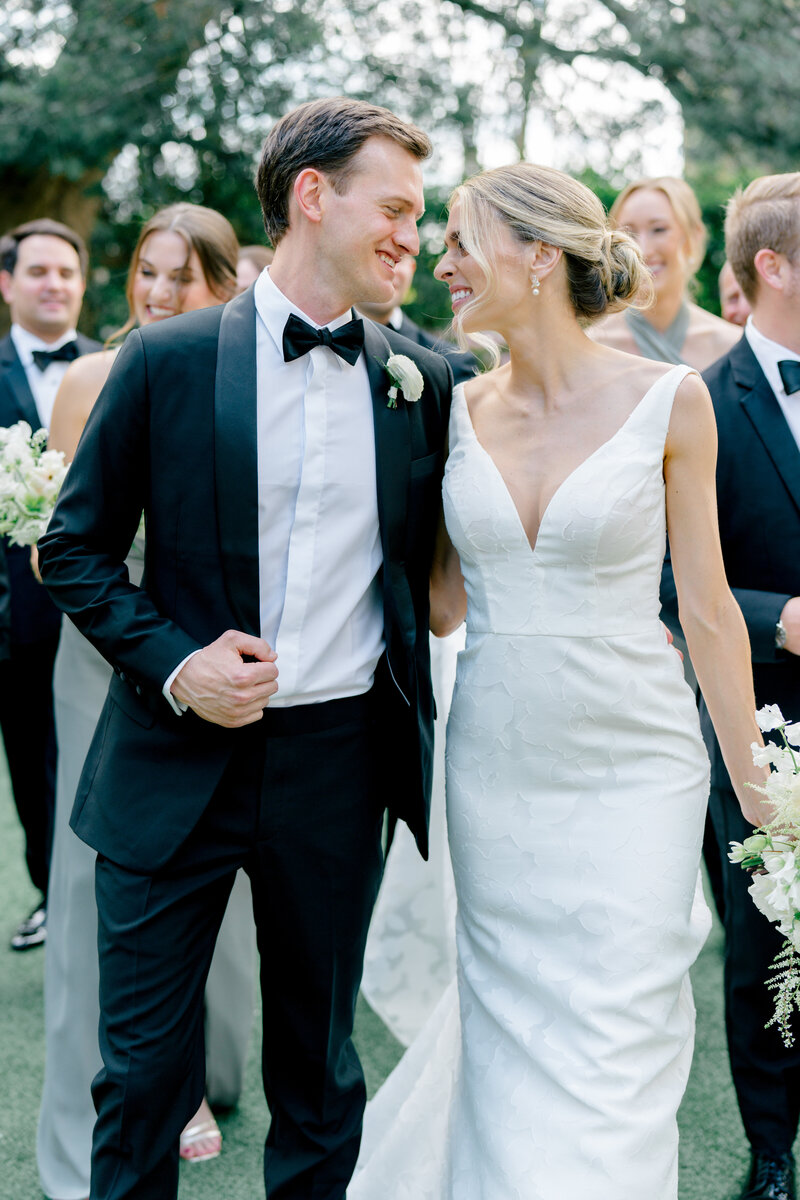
576 775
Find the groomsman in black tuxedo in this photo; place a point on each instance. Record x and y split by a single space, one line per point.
42 279
463 365
271 690
756 392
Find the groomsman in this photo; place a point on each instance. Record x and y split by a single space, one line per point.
42 280
463 365
291 504
756 392
732 300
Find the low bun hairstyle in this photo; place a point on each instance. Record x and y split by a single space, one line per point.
604 267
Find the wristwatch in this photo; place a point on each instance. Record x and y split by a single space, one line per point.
780 635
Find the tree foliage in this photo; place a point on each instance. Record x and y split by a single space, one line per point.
111 110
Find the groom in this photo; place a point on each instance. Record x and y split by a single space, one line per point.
271 691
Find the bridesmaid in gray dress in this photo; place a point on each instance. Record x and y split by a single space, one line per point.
662 214
185 259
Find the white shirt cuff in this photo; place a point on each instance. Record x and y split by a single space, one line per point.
177 706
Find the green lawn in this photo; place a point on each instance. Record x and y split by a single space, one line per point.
714 1154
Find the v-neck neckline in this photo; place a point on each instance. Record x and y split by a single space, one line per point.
570 475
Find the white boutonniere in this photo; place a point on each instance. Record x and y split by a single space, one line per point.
406 377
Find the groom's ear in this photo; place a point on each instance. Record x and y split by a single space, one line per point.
307 192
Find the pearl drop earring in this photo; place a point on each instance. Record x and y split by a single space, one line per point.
535 284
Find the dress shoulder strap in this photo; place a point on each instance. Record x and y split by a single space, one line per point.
650 419
460 424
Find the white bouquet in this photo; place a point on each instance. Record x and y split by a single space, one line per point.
772 853
30 480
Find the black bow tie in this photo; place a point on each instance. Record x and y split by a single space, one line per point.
790 375
65 353
299 337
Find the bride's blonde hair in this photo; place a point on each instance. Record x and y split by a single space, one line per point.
605 269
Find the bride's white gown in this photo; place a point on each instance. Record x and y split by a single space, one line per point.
576 790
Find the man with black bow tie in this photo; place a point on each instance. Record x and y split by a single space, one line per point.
272 691
756 392
42 279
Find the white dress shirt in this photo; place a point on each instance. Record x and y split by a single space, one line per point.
319 538
43 384
769 354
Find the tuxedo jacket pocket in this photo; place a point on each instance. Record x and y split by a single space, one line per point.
426 465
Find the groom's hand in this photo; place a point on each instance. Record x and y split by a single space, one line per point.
221 687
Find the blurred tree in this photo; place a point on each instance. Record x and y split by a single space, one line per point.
112 110
730 64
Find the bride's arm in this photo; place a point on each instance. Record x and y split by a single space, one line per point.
711 619
448 598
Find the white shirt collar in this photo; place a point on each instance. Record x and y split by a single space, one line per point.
396 318
274 309
26 342
769 354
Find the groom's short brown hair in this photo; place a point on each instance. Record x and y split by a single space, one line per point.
326 134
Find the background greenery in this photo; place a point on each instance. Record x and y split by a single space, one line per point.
111 110
714 1156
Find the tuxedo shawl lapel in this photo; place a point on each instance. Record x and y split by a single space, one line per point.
236 459
392 447
13 374
759 403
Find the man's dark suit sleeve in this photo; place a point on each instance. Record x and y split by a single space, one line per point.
82 554
5 605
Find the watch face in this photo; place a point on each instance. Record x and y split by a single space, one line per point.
780 635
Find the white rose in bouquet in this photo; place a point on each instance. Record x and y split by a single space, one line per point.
30 480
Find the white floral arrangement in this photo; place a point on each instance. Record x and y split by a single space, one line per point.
30 480
406 377
772 854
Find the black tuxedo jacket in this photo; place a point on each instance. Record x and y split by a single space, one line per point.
758 497
174 434
5 606
463 364
33 616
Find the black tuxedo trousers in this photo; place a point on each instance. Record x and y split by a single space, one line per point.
300 808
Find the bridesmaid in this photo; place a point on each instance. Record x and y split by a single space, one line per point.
185 259
662 214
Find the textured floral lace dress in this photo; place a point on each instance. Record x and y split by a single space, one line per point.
576 789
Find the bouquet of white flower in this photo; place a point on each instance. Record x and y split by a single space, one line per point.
772 853
30 480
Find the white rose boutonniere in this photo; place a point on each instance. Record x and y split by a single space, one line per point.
406 378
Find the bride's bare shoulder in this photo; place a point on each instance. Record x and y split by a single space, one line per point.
482 387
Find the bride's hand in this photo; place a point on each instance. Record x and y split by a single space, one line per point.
671 641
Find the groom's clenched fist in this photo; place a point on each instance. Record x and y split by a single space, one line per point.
221 687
